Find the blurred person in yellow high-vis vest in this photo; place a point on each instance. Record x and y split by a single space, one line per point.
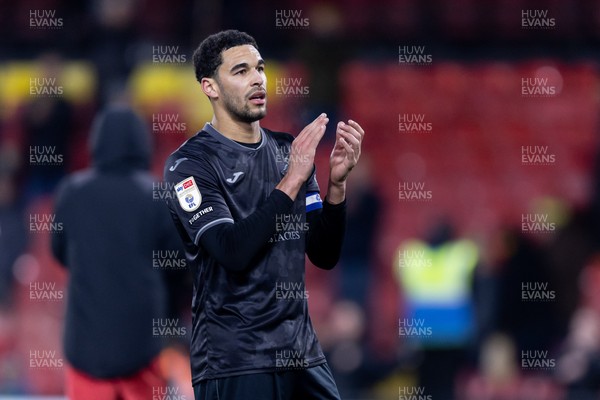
438 317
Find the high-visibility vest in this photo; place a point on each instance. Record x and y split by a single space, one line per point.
437 285
436 275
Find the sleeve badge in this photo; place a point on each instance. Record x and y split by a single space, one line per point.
188 194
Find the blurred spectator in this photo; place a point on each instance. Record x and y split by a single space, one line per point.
356 259
355 368
326 25
47 123
111 231
579 365
499 377
437 280
344 346
12 231
113 46
531 323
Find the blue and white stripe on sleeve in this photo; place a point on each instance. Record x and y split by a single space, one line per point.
313 201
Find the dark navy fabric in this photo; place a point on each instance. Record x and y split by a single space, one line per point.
314 383
242 324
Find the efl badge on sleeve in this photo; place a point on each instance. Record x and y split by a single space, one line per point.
188 194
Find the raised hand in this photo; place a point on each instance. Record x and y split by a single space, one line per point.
346 151
302 156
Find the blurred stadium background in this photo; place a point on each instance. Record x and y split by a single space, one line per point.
482 136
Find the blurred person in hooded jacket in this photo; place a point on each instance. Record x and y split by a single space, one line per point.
111 229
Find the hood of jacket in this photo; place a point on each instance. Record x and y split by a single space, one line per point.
120 141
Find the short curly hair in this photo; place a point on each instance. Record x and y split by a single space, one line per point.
207 57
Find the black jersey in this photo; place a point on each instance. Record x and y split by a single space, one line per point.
256 320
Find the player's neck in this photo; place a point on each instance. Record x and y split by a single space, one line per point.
243 132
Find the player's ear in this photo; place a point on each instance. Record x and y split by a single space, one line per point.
210 87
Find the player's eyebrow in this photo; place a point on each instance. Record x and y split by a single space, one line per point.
260 62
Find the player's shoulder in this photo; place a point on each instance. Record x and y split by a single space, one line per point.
191 157
279 137
200 143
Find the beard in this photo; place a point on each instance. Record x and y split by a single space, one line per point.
240 110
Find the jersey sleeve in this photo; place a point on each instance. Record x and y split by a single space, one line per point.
195 198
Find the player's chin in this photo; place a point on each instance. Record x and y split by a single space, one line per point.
261 114
254 116
260 111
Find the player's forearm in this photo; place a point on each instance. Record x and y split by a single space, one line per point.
290 185
326 234
336 192
233 246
